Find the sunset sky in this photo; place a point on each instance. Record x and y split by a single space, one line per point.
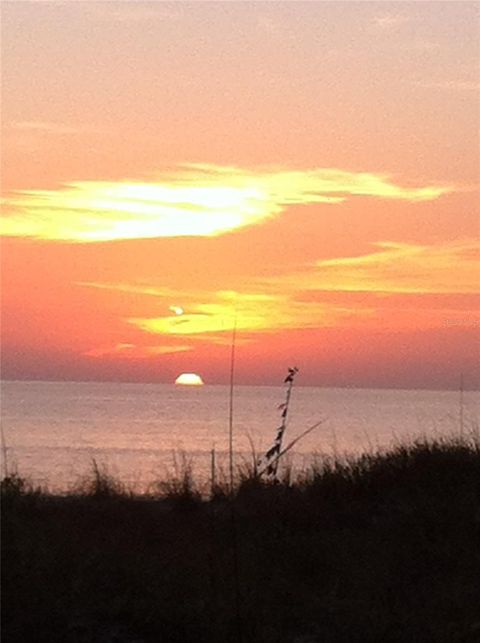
308 168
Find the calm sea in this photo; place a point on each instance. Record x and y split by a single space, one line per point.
52 430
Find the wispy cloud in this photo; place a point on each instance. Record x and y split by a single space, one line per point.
389 21
456 84
249 312
396 268
191 200
131 12
133 351
211 315
48 127
385 284
136 289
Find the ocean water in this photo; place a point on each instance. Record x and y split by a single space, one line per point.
53 430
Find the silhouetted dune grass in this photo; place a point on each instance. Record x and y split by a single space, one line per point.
384 547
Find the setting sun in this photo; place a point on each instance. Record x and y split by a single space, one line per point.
189 379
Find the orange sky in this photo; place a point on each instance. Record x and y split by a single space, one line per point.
308 168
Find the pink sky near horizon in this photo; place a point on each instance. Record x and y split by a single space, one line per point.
310 168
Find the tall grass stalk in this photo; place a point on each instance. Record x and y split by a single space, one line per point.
4 452
230 406
461 405
212 472
235 561
270 459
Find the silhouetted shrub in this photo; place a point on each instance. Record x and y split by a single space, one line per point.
383 547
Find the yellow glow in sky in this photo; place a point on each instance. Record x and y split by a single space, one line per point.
401 268
250 313
197 200
392 268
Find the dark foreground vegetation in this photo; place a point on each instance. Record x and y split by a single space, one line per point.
384 548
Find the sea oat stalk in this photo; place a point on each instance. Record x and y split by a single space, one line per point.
271 457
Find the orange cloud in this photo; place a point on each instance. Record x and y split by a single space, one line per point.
131 351
382 284
194 200
400 268
252 314
211 314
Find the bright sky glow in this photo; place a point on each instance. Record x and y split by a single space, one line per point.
305 171
194 201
